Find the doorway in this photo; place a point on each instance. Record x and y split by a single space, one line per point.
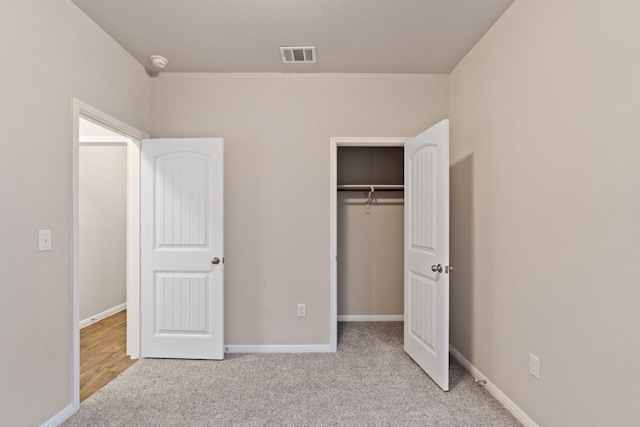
102 255
335 144
370 234
133 137
103 222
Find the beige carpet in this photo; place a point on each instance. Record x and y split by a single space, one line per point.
369 381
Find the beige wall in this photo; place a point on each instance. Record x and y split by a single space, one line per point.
276 129
51 53
103 228
545 148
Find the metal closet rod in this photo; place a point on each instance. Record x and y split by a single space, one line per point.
370 187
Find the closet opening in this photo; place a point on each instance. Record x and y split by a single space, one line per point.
367 237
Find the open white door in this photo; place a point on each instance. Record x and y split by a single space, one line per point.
181 240
426 246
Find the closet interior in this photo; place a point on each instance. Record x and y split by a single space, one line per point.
370 232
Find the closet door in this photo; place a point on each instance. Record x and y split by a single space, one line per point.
426 279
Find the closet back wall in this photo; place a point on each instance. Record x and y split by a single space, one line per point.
277 129
370 235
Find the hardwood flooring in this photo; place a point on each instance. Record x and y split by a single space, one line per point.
103 353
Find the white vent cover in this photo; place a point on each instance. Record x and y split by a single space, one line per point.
298 55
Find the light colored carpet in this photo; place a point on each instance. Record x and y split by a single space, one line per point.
369 381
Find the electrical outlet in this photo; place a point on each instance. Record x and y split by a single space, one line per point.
534 365
302 310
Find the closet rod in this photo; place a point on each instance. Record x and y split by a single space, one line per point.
365 187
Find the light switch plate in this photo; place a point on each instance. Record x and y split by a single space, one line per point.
534 365
44 240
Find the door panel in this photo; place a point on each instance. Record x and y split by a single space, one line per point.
181 303
426 334
181 233
182 186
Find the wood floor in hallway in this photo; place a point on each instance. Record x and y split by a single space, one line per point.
103 353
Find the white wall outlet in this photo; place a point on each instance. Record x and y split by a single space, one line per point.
44 240
302 310
534 365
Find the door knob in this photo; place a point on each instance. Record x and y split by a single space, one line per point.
437 268
216 260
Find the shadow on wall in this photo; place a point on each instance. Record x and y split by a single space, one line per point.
461 255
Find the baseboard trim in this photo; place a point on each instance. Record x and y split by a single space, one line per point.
493 390
321 348
98 317
60 417
371 318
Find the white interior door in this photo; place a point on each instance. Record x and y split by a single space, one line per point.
426 278
182 262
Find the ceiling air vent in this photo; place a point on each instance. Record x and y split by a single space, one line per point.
298 55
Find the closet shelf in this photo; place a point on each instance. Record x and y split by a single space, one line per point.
369 187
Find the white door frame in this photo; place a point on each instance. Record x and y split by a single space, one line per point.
333 216
81 109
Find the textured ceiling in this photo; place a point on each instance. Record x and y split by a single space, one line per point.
363 36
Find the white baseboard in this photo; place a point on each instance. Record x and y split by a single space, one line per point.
60 417
494 391
371 318
98 317
321 348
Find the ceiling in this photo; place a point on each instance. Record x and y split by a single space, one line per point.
351 36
